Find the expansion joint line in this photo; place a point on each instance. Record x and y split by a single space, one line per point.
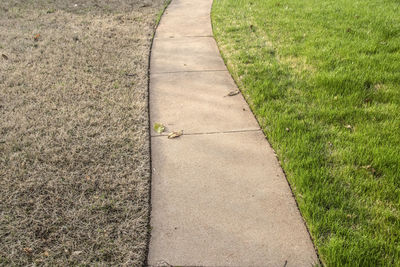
181 71
212 133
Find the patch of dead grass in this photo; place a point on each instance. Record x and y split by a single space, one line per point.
74 151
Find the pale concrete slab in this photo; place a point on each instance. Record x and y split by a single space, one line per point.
218 198
186 18
196 102
190 8
185 54
222 200
184 27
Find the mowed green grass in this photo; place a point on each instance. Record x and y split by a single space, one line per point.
323 79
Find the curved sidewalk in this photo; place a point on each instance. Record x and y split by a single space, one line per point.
219 196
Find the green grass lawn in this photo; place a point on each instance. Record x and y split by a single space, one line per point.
323 79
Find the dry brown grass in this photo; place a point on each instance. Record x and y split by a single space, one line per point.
74 151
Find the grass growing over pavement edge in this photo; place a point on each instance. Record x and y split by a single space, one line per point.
159 15
323 79
74 139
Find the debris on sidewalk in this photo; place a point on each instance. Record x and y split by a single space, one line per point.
233 93
175 134
159 128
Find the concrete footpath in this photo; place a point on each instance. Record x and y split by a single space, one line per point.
219 196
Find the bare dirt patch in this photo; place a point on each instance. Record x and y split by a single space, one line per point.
74 151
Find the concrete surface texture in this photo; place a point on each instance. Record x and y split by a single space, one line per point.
219 196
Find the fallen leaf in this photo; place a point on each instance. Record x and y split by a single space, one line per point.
46 253
36 38
159 128
4 56
163 263
369 168
28 250
233 93
76 253
175 134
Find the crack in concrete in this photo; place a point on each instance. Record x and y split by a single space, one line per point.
183 71
210 133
